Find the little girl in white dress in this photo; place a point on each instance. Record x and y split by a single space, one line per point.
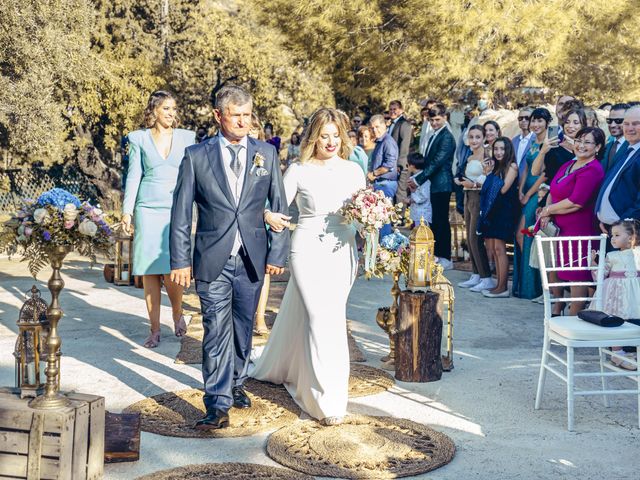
621 289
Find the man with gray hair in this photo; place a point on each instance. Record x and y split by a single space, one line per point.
619 196
230 177
383 167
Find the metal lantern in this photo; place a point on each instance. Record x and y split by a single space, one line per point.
441 285
32 335
421 258
124 260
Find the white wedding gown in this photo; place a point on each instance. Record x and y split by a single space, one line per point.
307 350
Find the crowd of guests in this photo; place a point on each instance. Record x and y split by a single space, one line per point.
569 178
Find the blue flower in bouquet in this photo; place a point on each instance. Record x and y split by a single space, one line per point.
58 197
394 241
46 235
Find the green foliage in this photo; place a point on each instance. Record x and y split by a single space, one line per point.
410 49
75 75
217 47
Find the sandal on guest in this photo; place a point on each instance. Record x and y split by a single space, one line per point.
153 340
180 326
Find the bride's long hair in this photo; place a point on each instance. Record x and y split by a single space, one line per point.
318 120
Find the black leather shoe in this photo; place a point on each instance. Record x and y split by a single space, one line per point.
213 420
240 398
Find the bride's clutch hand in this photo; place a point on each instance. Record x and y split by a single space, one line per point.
277 221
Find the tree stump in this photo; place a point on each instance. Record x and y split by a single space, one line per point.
418 338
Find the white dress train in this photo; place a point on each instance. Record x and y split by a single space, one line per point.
307 350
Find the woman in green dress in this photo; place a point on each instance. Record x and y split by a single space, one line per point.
155 155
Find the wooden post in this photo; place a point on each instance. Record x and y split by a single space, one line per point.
418 338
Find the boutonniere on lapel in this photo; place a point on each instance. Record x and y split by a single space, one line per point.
258 165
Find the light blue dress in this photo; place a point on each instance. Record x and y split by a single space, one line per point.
148 196
526 280
360 157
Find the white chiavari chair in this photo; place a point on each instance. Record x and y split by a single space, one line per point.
571 332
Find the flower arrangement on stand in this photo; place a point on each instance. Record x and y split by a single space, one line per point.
46 230
371 210
56 219
392 259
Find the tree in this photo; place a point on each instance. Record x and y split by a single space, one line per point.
217 46
410 49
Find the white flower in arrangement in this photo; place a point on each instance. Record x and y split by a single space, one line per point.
70 212
40 215
87 227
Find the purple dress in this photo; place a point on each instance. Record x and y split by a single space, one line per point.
581 186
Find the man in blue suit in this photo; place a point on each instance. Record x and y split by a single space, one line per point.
230 177
619 196
616 143
522 142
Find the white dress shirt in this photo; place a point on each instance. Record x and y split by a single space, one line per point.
235 183
432 139
607 214
425 133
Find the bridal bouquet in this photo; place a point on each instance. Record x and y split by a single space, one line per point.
56 218
371 210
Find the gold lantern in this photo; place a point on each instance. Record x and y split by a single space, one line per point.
441 285
32 334
421 258
124 260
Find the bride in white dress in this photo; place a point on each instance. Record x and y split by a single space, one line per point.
307 350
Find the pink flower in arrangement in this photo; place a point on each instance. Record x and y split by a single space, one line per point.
68 224
28 231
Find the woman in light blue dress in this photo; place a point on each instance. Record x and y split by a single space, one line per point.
154 158
526 280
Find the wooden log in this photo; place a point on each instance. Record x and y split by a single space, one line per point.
122 437
418 338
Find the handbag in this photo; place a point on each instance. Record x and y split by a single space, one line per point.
600 318
550 230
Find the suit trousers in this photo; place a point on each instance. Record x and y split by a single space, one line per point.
440 226
475 243
403 190
228 307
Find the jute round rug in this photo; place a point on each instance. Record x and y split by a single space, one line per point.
362 447
226 471
365 380
175 413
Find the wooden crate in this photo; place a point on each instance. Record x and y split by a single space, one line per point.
65 443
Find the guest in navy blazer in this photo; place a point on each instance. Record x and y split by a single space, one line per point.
619 196
616 143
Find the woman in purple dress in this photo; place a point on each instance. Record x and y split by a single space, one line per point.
571 202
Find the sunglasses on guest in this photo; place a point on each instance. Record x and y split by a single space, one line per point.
523 118
617 121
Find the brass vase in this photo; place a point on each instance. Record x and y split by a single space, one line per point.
52 398
386 319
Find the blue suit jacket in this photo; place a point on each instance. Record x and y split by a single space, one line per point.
202 180
522 166
625 193
605 165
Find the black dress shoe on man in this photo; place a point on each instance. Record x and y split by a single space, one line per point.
213 420
240 398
